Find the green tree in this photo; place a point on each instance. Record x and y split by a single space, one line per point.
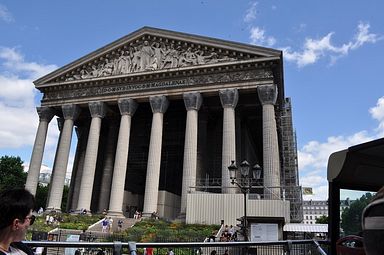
65 198
41 196
12 173
351 217
322 220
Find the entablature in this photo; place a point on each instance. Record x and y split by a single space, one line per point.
209 79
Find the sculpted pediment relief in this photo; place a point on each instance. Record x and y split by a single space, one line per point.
148 56
151 49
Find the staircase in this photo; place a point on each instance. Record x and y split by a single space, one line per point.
127 223
93 233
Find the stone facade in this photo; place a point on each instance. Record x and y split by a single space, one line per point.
155 112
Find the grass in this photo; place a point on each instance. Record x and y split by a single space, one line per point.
150 230
68 221
147 230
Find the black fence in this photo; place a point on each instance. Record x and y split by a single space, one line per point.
297 247
89 236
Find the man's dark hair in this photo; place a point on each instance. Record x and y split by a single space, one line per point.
373 225
15 204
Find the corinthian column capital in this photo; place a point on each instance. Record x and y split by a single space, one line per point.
159 104
229 97
45 113
70 111
267 94
97 109
192 101
127 106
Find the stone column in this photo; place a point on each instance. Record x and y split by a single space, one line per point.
109 155
70 113
77 168
159 105
228 98
45 116
97 110
127 109
271 159
60 124
192 102
202 159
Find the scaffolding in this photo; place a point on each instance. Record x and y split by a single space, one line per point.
289 170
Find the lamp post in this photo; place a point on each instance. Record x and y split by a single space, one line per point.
245 183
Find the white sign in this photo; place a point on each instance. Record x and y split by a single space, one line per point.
71 238
262 232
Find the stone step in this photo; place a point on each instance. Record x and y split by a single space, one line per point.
127 223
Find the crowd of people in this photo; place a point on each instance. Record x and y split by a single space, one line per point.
53 219
229 234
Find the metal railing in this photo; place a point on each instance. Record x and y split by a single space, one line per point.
293 247
257 192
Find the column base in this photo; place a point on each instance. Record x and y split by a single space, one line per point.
116 214
150 215
52 210
82 211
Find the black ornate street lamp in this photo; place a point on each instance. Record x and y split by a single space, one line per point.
245 183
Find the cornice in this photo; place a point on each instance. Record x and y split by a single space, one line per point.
225 50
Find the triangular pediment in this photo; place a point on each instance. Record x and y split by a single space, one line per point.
151 49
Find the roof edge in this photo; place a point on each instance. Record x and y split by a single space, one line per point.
210 41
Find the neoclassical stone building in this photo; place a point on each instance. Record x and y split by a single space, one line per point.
159 115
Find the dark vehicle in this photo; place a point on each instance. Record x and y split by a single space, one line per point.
350 245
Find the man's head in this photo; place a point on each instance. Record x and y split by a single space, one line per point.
373 225
16 209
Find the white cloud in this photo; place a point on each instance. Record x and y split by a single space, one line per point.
315 49
15 63
250 13
258 37
313 157
5 15
18 116
377 113
363 36
315 154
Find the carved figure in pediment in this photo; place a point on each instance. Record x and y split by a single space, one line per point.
84 74
154 65
106 68
213 58
146 54
94 71
167 57
123 63
205 59
171 57
188 58
158 54
135 55
175 53
200 57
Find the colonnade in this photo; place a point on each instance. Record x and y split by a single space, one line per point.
113 181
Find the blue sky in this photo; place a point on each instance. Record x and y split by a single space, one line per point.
333 52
